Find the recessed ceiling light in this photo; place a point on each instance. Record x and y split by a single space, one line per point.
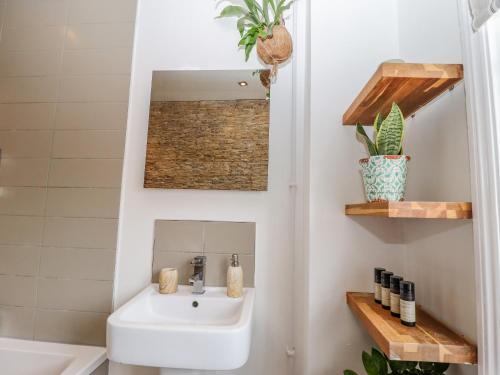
243 83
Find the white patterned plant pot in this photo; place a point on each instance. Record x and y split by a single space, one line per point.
384 177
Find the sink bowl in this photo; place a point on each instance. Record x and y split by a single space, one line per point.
182 330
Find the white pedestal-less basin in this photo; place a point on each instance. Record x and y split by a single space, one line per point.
182 330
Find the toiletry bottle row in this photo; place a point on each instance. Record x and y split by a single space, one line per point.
395 295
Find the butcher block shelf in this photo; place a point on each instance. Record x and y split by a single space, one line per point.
411 86
412 210
428 341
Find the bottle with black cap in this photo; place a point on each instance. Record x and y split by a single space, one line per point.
386 289
407 304
377 285
395 295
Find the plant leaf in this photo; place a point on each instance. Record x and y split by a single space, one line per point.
265 10
390 134
273 5
369 364
232 11
248 50
441 368
350 372
380 362
372 148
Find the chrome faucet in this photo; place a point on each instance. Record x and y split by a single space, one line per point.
197 280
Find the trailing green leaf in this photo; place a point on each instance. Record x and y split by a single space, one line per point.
350 372
372 149
232 11
390 134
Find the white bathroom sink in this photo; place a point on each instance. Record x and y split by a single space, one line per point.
182 330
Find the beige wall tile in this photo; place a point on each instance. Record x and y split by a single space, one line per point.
104 88
21 230
25 143
71 327
83 202
217 265
81 233
29 63
179 236
85 173
228 238
92 116
32 38
94 144
181 261
19 260
18 322
28 13
78 295
17 290
27 116
77 263
100 61
24 172
28 89
22 201
99 11
100 36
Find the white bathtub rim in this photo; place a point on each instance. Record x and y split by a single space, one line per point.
87 358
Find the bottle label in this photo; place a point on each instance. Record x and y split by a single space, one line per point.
408 311
395 303
378 292
386 297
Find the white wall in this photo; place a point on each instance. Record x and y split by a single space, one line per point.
177 35
349 40
440 255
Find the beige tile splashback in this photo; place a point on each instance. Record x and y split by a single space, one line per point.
72 263
178 242
91 116
90 36
76 295
83 202
27 116
64 87
98 11
24 172
28 13
17 322
71 327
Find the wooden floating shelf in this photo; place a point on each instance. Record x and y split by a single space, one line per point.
412 210
411 86
428 341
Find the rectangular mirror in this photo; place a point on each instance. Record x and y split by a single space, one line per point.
208 130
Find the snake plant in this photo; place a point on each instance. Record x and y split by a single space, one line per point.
256 20
378 364
388 134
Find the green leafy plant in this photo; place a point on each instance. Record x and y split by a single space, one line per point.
378 364
256 20
387 134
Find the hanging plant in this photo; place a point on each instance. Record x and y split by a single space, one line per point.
263 25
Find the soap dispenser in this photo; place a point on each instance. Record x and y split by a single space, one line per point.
234 278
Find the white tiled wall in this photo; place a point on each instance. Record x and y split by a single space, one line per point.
64 82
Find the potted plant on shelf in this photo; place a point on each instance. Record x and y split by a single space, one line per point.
263 25
384 172
378 364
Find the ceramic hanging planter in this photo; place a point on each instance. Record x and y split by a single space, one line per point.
384 177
